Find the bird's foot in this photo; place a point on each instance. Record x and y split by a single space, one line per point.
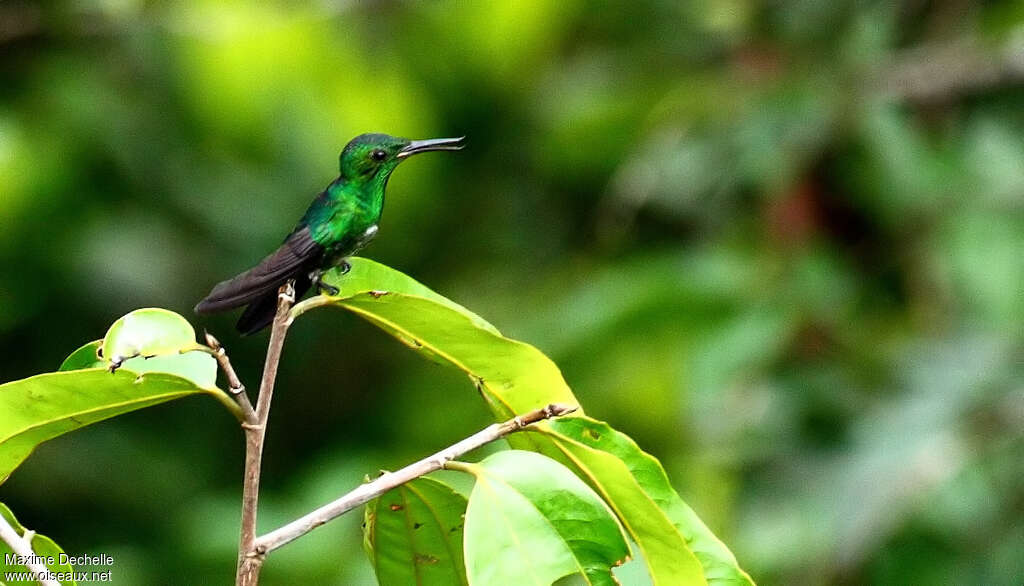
316 277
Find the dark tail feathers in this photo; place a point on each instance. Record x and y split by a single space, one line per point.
260 312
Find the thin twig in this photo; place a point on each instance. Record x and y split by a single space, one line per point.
249 565
235 387
22 546
371 490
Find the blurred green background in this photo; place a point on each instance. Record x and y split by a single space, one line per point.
780 244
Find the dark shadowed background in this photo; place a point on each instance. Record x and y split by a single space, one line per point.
779 244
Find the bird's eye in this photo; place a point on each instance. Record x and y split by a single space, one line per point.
378 155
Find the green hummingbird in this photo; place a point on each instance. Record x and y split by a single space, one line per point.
340 221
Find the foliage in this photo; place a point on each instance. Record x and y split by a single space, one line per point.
527 516
514 377
144 344
530 521
414 535
742 230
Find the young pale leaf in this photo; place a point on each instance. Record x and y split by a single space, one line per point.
514 378
42 545
149 340
413 535
198 367
147 333
41 407
531 521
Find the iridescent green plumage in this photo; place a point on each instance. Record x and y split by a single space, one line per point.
342 219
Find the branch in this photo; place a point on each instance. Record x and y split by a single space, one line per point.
371 490
22 546
235 387
938 72
249 565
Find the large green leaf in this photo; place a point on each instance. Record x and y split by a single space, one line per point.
370 276
41 407
513 378
669 559
44 406
627 476
413 535
41 545
531 521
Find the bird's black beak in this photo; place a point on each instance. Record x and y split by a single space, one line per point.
433 144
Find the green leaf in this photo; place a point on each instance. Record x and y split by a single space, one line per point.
147 333
413 535
634 483
198 367
531 521
366 275
515 378
42 546
152 340
86 356
44 406
151 350
512 376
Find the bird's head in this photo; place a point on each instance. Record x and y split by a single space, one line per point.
370 158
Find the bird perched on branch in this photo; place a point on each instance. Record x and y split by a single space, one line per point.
341 220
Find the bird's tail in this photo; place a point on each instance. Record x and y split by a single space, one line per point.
248 287
260 312
294 258
257 287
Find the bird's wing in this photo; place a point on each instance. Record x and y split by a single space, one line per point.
298 251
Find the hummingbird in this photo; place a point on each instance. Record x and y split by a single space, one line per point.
340 221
